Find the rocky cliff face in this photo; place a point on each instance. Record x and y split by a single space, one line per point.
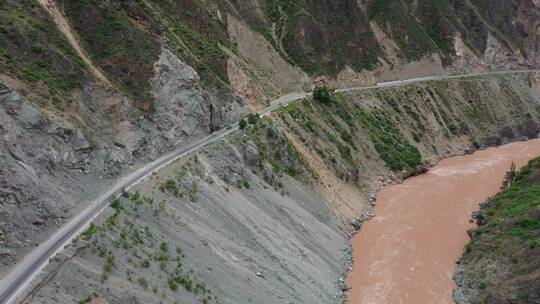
44 158
54 160
67 135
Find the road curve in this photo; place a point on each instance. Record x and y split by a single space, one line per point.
22 274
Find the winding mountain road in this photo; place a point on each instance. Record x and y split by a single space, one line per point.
14 283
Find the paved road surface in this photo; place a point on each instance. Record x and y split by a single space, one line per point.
30 266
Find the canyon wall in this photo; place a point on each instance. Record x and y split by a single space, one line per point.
90 90
266 214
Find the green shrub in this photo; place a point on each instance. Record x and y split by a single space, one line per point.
392 146
468 248
322 94
111 221
36 48
309 125
145 263
162 256
270 132
143 282
523 295
242 124
108 267
89 232
239 183
164 247
109 264
344 151
170 186
86 300
116 204
5 53
173 285
253 118
135 196
348 138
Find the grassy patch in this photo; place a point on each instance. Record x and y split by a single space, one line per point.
205 53
186 182
89 232
320 37
411 37
123 50
392 146
34 55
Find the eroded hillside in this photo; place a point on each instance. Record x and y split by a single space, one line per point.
262 216
91 90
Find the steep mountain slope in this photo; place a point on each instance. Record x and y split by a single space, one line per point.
500 264
262 216
121 82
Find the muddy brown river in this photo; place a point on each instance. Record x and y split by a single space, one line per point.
407 252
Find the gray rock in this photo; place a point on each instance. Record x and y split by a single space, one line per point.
269 174
115 162
462 295
31 118
181 109
62 130
251 154
78 141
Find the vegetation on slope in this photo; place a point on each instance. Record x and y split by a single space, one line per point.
502 261
184 184
197 34
406 126
132 251
405 29
119 46
34 52
274 150
125 38
392 146
321 37
350 129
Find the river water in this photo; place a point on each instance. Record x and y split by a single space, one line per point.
407 252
